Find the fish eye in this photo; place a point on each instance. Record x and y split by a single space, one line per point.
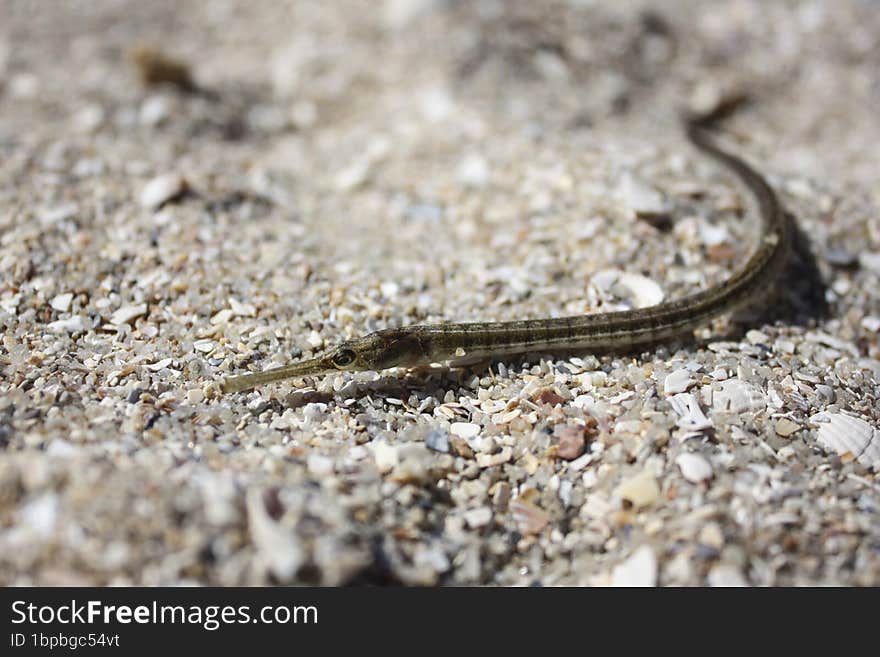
343 358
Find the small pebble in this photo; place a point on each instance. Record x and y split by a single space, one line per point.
870 261
473 171
464 430
480 517
756 337
315 340
205 346
501 495
712 535
319 466
242 309
437 440
785 346
89 119
194 396
785 427
571 443
154 110
550 397
40 514
871 323
61 302
641 198
461 447
491 460
529 518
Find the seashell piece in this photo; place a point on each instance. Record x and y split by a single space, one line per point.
726 575
128 313
738 396
75 324
163 189
479 517
694 468
386 456
677 381
639 197
844 434
61 302
640 490
687 407
278 547
464 430
640 569
639 290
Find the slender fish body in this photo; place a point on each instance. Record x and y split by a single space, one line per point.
421 344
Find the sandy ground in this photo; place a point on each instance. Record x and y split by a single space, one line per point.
341 167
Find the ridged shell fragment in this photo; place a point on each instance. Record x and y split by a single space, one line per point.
738 396
691 416
844 434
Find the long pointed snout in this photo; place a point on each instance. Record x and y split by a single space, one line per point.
303 368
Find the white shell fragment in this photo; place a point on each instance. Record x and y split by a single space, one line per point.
737 396
479 517
677 381
870 261
639 290
726 575
386 456
195 396
640 569
205 346
473 171
464 430
162 189
74 324
154 110
691 417
315 340
713 235
319 465
277 546
694 468
242 309
128 313
61 302
848 436
160 365
40 515
641 198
